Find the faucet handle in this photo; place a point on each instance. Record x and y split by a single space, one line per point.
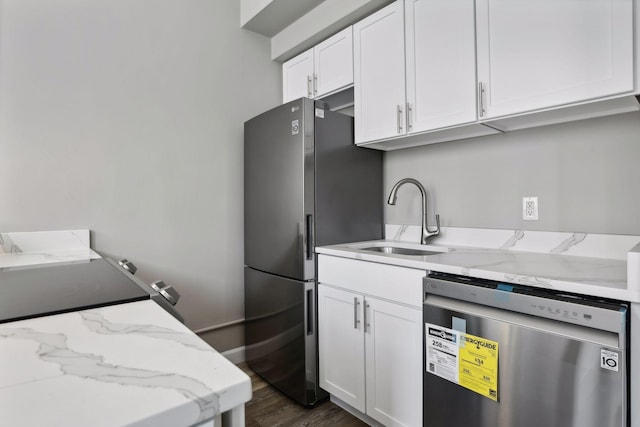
429 234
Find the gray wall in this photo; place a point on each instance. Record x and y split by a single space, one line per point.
585 174
125 117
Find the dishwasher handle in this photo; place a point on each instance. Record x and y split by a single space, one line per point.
541 324
563 308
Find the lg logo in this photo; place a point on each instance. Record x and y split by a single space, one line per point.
609 360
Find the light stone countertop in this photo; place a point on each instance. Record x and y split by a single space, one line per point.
129 364
123 365
603 275
44 247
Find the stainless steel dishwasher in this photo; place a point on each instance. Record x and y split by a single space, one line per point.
503 355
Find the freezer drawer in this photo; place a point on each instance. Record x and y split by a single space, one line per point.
280 333
549 373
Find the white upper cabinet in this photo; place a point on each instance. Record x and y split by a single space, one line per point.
297 77
379 81
440 63
428 71
319 71
333 60
540 54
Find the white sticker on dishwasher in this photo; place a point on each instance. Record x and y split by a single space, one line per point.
609 360
441 352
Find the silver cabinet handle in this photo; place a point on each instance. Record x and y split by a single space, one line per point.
309 89
409 114
399 117
356 303
366 323
481 93
315 84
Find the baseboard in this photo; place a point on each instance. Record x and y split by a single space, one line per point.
235 355
225 338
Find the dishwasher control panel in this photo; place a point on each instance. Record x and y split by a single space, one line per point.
574 309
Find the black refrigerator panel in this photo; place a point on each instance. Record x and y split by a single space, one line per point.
349 198
278 190
280 333
305 185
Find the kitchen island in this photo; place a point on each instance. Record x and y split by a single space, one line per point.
129 364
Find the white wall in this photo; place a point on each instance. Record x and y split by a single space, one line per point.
126 117
250 8
586 175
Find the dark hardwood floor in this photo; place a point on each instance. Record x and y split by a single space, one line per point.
268 407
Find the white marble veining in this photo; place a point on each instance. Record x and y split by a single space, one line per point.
605 266
578 244
44 247
129 364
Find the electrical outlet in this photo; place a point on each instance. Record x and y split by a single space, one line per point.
530 208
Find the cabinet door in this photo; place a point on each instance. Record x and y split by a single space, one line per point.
545 53
297 77
341 345
441 63
379 83
393 339
333 60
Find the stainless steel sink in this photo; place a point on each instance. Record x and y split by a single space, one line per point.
400 251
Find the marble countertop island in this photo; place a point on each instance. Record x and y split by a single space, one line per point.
131 364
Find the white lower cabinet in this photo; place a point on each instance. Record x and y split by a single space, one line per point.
393 359
341 345
370 351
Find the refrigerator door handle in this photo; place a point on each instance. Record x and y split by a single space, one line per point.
309 311
309 233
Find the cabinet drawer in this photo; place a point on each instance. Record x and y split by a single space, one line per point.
399 284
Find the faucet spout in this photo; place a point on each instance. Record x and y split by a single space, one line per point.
427 234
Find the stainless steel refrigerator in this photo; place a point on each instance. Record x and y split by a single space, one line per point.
305 184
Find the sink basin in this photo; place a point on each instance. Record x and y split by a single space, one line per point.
400 251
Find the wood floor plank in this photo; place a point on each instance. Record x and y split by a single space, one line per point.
270 408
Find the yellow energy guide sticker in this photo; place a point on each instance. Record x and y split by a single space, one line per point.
462 358
478 365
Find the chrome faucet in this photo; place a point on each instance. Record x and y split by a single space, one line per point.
426 233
